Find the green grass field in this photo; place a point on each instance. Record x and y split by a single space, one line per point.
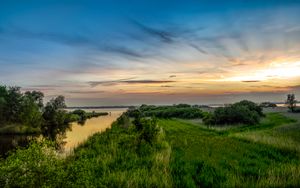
229 158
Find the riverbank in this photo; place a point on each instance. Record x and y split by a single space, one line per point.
19 129
16 135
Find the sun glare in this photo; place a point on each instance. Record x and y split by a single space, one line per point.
276 70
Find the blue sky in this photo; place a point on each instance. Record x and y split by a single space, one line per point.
133 52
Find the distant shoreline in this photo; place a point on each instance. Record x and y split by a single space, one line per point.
280 104
96 107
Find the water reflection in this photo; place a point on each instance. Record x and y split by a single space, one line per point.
79 133
75 135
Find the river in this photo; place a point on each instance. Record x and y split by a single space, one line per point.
79 133
75 136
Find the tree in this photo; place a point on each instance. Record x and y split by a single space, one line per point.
55 118
31 112
13 104
36 96
3 103
291 102
243 112
251 106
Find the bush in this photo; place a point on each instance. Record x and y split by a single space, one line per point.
184 111
244 112
297 110
36 166
268 105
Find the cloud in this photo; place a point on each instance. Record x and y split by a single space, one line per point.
127 81
123 50
147 81
199 49
46 85
172 76
85 92
174 35
163 35
74 40
250 81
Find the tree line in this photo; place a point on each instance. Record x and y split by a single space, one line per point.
184 111
27 108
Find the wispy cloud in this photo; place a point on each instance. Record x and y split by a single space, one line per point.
162 35
128 81
85 92
250 81
166 86
74 40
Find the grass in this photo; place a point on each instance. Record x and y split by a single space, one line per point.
207 158
270 121
117 157
285 135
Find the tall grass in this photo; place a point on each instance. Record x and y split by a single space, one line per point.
116 158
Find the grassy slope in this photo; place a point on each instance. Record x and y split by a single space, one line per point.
215 158
284 136
116 158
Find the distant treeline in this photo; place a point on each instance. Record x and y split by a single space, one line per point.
184 111
243 112
81 116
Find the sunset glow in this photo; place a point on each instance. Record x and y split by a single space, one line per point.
111 53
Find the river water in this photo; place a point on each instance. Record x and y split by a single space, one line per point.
75 136
79 133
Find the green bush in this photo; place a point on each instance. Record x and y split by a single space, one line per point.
244 112
36 166
183 111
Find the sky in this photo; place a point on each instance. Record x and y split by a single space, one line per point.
131 52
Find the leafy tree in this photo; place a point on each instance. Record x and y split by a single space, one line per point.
291 102
36 96
3 103
55 118
13 104
31 114
81 113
